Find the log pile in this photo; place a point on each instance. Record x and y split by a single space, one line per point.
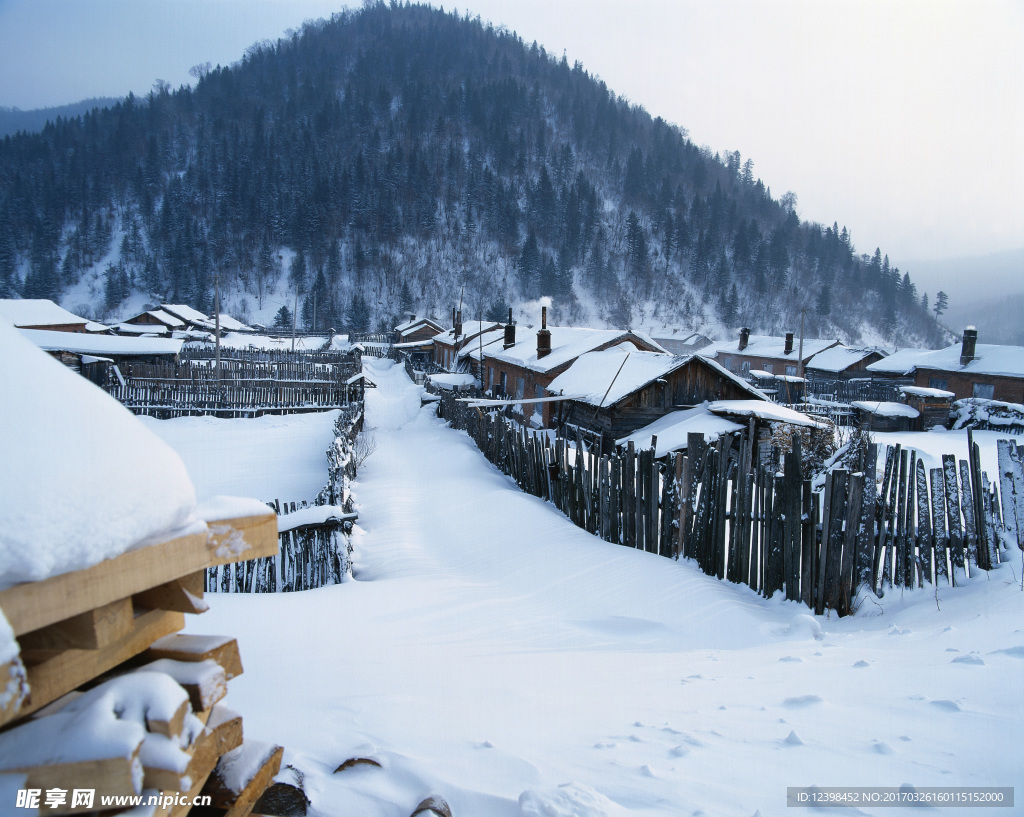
105 696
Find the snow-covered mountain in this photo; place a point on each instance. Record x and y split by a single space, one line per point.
402 158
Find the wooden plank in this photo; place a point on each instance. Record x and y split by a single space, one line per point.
834 552
971 537
203 758
854 504
172 726
939 522
183 647
32 605
956 548
67 670
111 776
925 543
240 803
90 630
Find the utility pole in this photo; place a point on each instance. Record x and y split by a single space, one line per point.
295 312
216 324
800 360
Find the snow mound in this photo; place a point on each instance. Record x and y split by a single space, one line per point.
85 480
568 800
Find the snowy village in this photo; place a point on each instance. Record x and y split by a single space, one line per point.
401 424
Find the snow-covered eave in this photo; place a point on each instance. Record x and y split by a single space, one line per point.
538 366
767 411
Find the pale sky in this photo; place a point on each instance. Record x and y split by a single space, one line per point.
900 119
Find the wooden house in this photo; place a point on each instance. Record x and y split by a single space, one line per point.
417 329
885 415
775 355
932 405
970 369
522 369
841 362
98 356
455 352
616 391
39 313
191 318
156 320
898 367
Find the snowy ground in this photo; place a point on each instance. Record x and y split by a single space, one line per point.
269 457
490 652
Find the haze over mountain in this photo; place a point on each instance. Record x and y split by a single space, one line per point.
404 159
13 120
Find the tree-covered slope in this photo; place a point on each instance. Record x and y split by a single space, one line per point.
401 158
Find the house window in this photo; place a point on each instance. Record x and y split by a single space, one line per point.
727 362
984 390
745 368
791 370
937 383
520 388
504 384
538 408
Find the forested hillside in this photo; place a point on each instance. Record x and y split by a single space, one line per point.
400 158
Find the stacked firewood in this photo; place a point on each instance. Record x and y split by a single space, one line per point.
108 707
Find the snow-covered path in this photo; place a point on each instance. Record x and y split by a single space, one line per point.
490 652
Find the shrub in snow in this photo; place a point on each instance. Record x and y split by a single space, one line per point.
817 445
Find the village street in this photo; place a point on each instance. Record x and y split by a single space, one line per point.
489 652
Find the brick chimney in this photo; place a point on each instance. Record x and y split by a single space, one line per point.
789 344
744 338
543 335
970 343
510 332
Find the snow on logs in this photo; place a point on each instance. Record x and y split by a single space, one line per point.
151 720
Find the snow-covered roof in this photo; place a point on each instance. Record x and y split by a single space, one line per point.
166 318
227 323
672 430
567 344
900 362
231 340
141 329
923 391
606 377
110 482
80 343
762 410
36 312
785 378
340 343
95 326
408 326
471 330
481 345
769 346
188 314
839 358
452 381
989 359
886 409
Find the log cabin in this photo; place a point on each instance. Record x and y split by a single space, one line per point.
618 390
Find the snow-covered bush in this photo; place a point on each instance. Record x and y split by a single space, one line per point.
991 415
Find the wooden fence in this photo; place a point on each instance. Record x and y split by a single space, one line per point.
314 553
249 383
766 527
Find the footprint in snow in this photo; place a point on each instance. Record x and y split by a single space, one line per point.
973 659
1013 652
947 706
791 659
678 751
861 664
882 747
799 701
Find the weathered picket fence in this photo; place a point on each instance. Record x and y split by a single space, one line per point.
315 550
766 527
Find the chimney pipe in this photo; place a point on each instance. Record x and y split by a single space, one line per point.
744 338
789 344
510 332
969 346
543 335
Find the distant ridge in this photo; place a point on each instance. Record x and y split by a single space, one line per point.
13 120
